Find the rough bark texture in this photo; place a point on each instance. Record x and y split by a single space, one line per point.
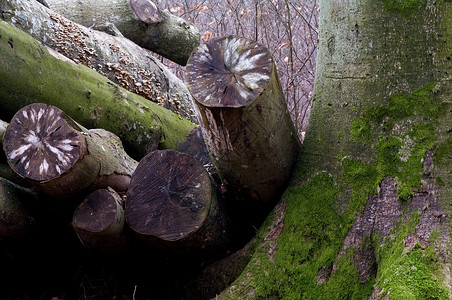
99 222
30 74
115 57
16 219
172 37
368 213
243 116
172 204
60 157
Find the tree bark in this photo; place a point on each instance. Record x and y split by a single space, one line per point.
60 157
172 204
115 57
30 74
243 116
368 213
99 222
16 219
173 37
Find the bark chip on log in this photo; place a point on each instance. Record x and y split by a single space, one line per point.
146 11
243 116
41 144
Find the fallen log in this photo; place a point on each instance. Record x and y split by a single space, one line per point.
16 219
122 61
99 222
172 204
29 74
140 21
243 115
60 157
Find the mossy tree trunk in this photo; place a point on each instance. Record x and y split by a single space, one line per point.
368 213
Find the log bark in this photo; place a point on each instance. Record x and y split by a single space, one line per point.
243 116
115 57
30 74
16 219
99 222
60 157
173 37
172 204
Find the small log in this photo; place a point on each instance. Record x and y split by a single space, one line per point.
146 11
59 156
172 204
16 219
243 115
99 221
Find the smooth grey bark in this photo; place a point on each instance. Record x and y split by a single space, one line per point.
115 57
174 38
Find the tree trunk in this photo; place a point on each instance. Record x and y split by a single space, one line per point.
243 115
172 204
368 213
60 157
115 57
30 74
173 37
16 219
99 222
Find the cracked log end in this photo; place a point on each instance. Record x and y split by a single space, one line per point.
169 196
146 11
228 72
40 143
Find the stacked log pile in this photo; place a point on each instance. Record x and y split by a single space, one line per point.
182 202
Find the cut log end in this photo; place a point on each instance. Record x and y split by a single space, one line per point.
98 212
229 72
169 196
40 142
146 11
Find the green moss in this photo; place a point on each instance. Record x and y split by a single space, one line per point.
360 129
399 152
403 7
408 274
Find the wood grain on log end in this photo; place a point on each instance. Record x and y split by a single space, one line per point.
99 220
40 142
146 11
229 72
169 196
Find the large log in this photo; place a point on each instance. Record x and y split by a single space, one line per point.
172 204
170 36
16 218
122 61
99 222
62 158
30 74
243 116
